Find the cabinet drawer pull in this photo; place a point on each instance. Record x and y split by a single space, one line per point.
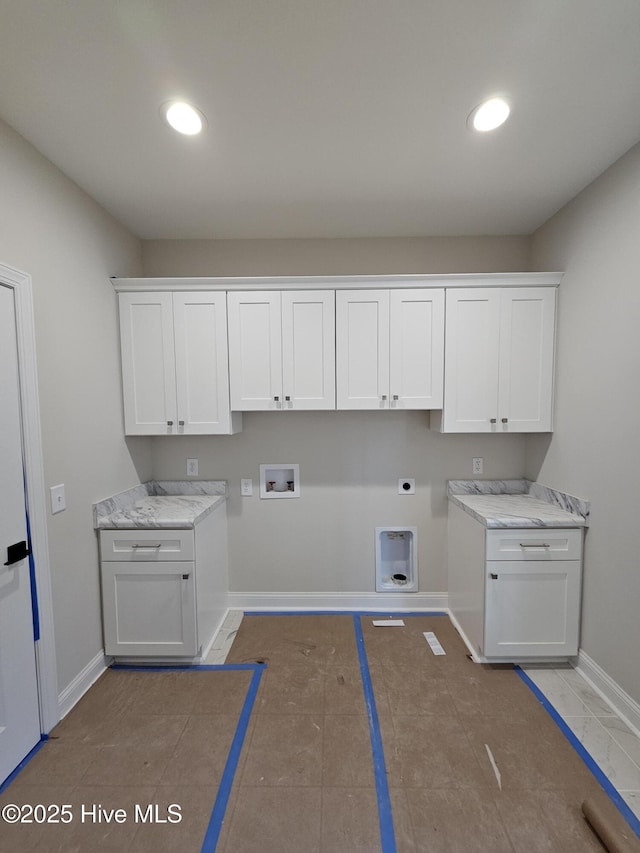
152 547
535 545
493 576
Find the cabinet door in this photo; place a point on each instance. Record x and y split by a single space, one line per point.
532 608
416 348
308 349
255 350
202 369
149 608
148 363
527 323
362 349
471 360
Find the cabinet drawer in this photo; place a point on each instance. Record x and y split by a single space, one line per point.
539 544
145 545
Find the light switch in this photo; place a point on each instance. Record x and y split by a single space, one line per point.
58 498
246 488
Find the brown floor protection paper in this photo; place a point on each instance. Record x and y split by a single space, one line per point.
610 827
473 761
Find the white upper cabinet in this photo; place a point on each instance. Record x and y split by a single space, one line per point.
282 350
499 360
174 363
389 348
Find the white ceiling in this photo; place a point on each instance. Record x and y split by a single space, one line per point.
327 118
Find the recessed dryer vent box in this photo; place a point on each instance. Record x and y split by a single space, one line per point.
279 481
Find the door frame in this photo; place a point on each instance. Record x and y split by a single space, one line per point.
20 283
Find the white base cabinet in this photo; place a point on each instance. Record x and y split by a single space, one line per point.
515 593
164 591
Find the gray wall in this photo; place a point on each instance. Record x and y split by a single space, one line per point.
594 450
384 256
70 246
350 462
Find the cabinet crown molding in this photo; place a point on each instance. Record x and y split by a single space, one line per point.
227 283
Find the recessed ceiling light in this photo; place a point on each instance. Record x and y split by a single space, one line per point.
183 117
489 115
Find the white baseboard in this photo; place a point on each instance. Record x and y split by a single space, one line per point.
73 692
624 705
371 601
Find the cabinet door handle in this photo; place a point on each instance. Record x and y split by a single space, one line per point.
383 397
180 423
185 577
287 400
493 420
493 576
535 545
169 423
276 400
505 420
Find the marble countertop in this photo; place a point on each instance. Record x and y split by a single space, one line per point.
160 504
518 503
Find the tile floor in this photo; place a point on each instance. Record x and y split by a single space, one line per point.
609 741
607 738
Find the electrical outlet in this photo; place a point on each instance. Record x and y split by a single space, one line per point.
406 486
58 499
192 467
478 465
246 488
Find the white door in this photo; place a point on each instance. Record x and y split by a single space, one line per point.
19 712
148 363
527 324
202 371
362 349
532 608
308 349
149 608
416 348
472 360
255 351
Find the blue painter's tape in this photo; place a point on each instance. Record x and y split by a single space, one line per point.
603 780
24 762
398 614
214 827
35 610
224 791
182 667
385 817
